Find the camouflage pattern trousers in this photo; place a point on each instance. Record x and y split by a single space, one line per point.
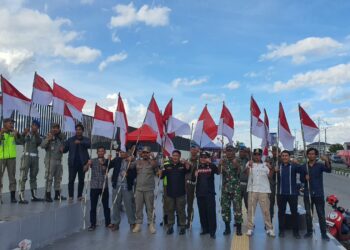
234 198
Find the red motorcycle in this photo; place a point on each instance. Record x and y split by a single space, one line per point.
338 220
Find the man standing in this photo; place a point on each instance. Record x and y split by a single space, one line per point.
123 179
98 174
231 193
194 160
30 160
287 192
8 138
313 176
146 169
52 144
175 172
243 159
272 179
205 192
77 146
258 191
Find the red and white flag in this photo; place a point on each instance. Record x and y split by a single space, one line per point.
206 129
42 92
68 121
226 124
13 100
174 126
257 125
61 96
310 129
121 122
265 143
154 120
168 145
285 136
103 124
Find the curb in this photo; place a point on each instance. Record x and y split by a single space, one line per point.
341 173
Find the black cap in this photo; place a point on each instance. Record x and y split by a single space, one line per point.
8 120
204 154
230 148
257 151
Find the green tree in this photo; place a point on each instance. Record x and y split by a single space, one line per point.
335 147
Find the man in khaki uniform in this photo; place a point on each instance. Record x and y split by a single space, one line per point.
30 160
53 144
194 160
8 139
146 169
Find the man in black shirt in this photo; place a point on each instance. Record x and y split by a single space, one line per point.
175 172
205 192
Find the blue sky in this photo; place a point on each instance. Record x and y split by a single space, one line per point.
197 52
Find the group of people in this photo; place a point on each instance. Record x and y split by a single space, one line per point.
245 177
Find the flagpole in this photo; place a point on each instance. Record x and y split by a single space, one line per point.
196 168
251 158
31 103
277 157
221 156
307 169
2 138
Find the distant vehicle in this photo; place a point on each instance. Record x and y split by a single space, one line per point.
336 159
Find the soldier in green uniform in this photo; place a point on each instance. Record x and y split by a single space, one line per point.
190 184
231 191
31 140
53 144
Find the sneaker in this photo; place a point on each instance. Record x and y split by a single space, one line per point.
325 237
132 226
308 235
213 236
182 231
296 235
249 232
70 199
152 228
170 230
270 233
91 228
137 228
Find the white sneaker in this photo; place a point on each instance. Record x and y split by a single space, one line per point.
249 232
151 228
270 233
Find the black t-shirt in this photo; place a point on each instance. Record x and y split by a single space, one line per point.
205 180
175 174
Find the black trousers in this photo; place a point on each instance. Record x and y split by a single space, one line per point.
293 205
272 197
207 213
319 203
72 174
94 197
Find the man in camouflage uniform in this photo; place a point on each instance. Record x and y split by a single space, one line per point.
53 145
30 160
231 192
243 159
193 160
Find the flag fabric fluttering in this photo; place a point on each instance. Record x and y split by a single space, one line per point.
121 122
226 124
310 129
62 96
103 124
154 120
42 92
266 141
68 121
257 125
285 136
206 129
168 145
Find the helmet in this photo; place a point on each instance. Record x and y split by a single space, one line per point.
332 200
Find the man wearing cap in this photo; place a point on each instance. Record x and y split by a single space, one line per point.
146 168
77 146
258 191
205 192
9 137
243 159
123 179
231 193
52 144
31 140
193 160
175 171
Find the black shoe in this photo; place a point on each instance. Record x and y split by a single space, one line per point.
22 201
213 236
170 230
91 228
325 237
204 232
13 197
281 234
227 228
239 229
48 197
308 235
296 235
58 196
182 231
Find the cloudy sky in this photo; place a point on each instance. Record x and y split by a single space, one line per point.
198 52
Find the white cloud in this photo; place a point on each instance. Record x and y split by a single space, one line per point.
185 42
232 85
87 2
341 111
115 38
299 51
128 15
114 58
188 82
336 75
27 34
213 97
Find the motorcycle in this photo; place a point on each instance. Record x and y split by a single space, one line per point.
338 220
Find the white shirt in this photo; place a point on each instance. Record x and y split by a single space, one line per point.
258 180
